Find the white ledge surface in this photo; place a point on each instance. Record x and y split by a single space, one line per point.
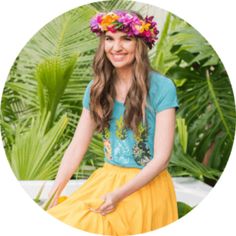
188 189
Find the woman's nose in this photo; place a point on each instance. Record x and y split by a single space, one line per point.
117 45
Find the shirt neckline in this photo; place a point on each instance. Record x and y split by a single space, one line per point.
121 103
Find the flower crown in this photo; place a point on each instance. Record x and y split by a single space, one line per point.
125 22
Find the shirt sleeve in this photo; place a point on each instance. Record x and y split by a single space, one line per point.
166 96
86 97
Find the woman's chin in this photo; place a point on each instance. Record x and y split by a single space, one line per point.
120 64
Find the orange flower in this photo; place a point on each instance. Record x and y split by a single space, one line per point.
142 27
108 20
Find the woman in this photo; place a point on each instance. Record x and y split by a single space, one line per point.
134 108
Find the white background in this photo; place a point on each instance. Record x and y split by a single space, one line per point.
20 20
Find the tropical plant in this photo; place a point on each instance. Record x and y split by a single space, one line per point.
205 97
50 74
183 209
35 153
46 84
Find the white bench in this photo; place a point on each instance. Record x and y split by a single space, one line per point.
188 189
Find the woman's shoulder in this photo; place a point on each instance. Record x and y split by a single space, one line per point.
90 83
88 86
162 92
160 85
158 79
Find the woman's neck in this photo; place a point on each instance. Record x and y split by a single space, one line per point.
123 77
122 82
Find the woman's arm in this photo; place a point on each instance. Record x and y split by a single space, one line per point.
163 145
75 152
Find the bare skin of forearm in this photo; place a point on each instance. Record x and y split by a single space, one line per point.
148 173
162 154
74 153
70 162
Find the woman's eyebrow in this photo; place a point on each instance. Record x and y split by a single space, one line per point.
123 36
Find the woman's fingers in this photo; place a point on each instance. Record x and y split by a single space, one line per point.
102 212
107 210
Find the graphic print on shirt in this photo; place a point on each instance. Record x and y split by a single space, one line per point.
122 151
107 144
141 151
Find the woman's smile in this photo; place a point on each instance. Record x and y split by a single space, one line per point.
118 57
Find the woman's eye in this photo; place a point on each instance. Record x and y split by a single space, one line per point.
128 38
108 38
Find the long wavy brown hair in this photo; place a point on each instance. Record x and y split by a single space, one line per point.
103 93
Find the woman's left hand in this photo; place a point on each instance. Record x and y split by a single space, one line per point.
111 199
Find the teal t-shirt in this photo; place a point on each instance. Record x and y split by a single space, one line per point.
121 146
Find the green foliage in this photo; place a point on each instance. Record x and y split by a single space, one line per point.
48 202
206 118
183 209
182 164
37 198
52 78
49 77
182 132
35 152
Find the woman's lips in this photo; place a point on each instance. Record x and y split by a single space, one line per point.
118 57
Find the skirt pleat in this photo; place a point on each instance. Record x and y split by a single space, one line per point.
151 207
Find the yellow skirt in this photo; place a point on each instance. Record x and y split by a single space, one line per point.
151 207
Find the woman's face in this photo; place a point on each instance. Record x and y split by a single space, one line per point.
119 48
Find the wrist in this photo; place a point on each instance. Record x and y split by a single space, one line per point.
118 194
